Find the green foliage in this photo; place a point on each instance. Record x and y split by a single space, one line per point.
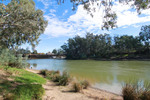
103 46
54 51
91 46
145 37
20 22
136 91
52 75
8 58
145 33
55 76
29 92
23 51
127 43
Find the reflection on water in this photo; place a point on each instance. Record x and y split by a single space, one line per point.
107 75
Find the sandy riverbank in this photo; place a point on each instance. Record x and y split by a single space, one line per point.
53 92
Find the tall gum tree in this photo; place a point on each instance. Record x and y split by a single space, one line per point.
20 22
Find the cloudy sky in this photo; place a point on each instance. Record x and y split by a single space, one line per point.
63 23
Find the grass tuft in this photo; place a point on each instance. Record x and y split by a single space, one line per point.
64 79
136 91
129 92
76 86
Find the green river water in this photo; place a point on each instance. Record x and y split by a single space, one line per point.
106 75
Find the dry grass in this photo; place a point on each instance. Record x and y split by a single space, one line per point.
136 91
76 86
85 84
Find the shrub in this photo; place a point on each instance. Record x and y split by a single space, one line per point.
43 72
85 84
8 58
56 77
136 91
145 95
64 79
129 92
76 86
52 75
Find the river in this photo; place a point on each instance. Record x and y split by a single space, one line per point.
106 75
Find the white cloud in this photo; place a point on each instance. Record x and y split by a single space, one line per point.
81 22
66 11
126 15
48 3
52 10
57 28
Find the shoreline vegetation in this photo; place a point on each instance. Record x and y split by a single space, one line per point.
17 83
99 59
22 22
20 84
104 46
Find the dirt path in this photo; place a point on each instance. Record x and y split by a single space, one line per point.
53 92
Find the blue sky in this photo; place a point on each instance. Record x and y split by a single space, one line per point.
63 23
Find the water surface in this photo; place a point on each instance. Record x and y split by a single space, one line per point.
106 75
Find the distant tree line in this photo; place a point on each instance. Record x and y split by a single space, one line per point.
105 46
58 51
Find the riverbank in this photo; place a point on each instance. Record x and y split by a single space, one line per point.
54 92
19 84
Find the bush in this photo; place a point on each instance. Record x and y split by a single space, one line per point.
136 91
129 92
43 72
85 84
52 75
64 79
76 86
145 95
8 58
56 77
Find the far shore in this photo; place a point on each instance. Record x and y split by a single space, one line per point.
98 59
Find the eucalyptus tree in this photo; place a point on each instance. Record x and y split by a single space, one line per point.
54 51
145 36
91 46
145 33
20 22
127 44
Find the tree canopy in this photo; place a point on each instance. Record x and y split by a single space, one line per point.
20 22
145 33
105 46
